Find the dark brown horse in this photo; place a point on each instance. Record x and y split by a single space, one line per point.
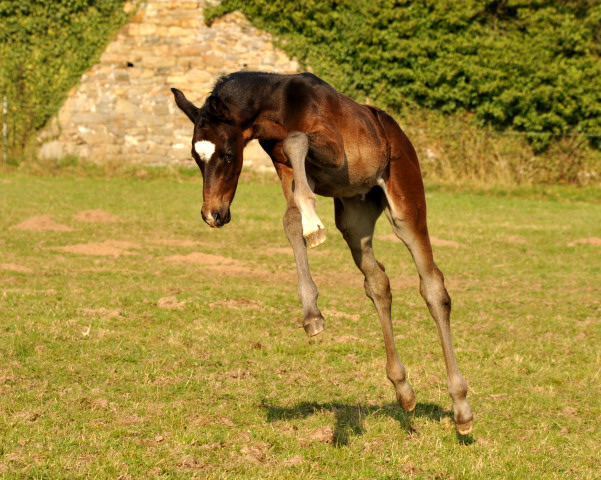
322 142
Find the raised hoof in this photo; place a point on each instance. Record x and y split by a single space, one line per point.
465 428
315 238
314 327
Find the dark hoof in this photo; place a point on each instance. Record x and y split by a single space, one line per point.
314 327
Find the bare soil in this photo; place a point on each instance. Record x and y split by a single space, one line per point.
437 242
170 303
173 242
224 265
323 434
13 267
594 241
96 216
41 223
100 312
517 239
108 248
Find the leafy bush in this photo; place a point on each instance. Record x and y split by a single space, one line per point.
527 65
45 46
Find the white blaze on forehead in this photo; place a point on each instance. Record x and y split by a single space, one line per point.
205 149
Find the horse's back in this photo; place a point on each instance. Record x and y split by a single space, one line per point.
349 148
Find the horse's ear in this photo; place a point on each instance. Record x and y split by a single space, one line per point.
218 109
186 105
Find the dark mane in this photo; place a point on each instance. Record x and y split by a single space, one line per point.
227 83
239 86
245 91
248 92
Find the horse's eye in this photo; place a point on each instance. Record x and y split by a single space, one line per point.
228 157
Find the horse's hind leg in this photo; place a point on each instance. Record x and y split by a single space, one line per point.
406 211
296 147
356 219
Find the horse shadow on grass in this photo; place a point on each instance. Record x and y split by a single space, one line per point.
349 417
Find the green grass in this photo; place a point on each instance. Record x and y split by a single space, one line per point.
99 380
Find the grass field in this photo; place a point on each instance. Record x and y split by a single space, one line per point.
138 343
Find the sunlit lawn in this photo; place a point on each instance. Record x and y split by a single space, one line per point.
139 343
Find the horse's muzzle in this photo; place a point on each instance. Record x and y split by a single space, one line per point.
217 219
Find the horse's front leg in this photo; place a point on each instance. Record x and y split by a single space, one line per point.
296 147
313 322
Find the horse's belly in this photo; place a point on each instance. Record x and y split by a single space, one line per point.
344 181
348 167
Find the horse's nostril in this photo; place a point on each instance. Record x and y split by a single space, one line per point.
216 218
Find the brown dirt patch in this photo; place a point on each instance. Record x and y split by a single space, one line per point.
255 452
241 304
96 216
128 420
517 239
188 462
173 242
30 291
170 303
337 314
216 263
41 223
323 434
437 242
278 251
349 339
296 460
108 248
13 267
594 241
203 259
101 312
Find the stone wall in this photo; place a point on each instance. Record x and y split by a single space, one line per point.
123 109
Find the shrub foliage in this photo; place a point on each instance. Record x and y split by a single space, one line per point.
45 46
527 65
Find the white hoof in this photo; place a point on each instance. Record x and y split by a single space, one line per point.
315 237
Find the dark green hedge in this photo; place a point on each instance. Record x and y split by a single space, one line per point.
45 46
526 65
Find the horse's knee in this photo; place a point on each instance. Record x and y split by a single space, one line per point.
293 225
437 296
434 292
377 286
292 218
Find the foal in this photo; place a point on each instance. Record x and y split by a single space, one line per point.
322 142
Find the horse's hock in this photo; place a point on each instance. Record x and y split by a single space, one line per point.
122 110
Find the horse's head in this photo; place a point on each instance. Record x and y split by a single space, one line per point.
217 146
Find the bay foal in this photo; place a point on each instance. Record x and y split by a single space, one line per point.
322 142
